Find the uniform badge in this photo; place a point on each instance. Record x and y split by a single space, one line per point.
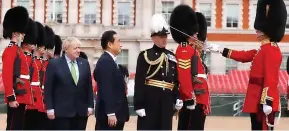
172 58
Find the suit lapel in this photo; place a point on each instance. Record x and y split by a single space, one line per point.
66 69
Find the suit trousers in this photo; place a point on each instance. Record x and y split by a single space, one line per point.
192 119
70 123
15 117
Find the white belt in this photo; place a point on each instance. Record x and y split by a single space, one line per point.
202 76
35 83
24 77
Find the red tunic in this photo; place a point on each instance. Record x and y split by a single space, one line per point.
183 56
44 66
35 84
264 77
8 59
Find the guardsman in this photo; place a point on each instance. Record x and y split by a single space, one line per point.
58 46
36 114
189 29
156 81
262 98
16 60
49 42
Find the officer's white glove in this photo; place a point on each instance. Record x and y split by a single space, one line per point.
215 48
141 112
267 109
179 104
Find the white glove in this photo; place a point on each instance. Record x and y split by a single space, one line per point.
141 112
191 107
179 104
215 48
267 109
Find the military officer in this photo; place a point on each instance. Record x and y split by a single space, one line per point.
156 89
262 98
16 60
189 29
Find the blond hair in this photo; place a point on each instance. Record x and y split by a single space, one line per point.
68 41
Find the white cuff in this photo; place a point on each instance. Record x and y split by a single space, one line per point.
50 111
111 114
90 109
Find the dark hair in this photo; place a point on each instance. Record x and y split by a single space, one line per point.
106 37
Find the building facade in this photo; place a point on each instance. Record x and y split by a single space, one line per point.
231 24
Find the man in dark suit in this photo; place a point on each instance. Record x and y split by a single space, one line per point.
68 88
112 106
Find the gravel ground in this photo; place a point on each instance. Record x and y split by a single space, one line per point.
212 123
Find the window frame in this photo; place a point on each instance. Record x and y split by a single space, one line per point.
213 11
84 13
168 12
120 57
240 16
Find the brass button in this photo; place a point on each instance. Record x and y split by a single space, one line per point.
161 66
163 74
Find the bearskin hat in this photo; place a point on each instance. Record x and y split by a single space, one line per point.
41 34
202 22
183 19
31 33
49 38
159 26
15 20
83 55
58 45
271 22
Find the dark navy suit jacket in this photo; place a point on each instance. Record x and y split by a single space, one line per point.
62 94
111 96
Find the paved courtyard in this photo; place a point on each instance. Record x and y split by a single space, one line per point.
212 123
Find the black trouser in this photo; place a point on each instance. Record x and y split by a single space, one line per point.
35 120
73 123
103 125
15 117
159 109
192 119
258 121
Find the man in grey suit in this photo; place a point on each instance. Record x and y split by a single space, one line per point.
68 88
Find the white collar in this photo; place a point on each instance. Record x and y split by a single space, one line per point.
68 60
113 57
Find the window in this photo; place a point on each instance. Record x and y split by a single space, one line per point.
287 22
284 62
206 9
124 13
253 15
59 9
167 8
208 61
231 65
24 3
90 12
232 17
122 58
